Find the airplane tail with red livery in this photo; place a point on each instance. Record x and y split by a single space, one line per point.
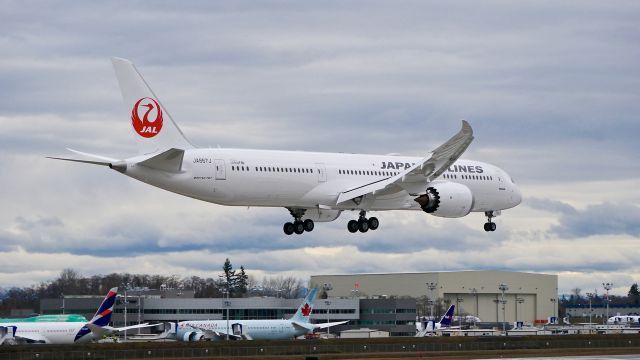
151 124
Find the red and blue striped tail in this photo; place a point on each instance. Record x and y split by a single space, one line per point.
103 315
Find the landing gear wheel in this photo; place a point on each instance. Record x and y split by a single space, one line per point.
489 226
288 228
308 225
298 227
352 226
373 223
363 225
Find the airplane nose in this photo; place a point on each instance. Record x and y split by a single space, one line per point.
517 196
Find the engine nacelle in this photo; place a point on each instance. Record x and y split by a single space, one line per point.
446 199
190 335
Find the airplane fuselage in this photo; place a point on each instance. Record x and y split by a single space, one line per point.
255 329
53 332
240 177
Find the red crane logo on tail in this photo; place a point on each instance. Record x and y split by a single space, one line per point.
150 123
306 310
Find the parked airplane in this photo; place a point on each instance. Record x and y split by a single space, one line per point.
197 330
624 319
64 332
47 318
313 186
428 328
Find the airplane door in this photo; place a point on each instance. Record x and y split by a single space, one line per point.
322 172
220 169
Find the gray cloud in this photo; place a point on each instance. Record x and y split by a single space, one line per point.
600 219
550 89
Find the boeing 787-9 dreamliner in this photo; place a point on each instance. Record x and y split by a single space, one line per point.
312 186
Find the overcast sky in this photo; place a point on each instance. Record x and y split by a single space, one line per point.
551 89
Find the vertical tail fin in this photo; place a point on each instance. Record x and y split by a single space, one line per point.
148 115
447 318
103 315
304 311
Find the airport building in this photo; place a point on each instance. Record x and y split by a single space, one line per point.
387 302
155 306
529 297
396 316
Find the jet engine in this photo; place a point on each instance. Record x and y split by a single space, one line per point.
446 199
190 335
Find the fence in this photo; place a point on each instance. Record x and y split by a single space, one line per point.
234 349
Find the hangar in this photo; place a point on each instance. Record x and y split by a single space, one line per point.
529 297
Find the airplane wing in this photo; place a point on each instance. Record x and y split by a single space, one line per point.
107 330
139 326
327 325
304 325
417 176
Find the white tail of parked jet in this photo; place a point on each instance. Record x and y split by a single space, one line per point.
312 186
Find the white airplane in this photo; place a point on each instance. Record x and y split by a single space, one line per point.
313 186
74 329
429 327
624 319
198 330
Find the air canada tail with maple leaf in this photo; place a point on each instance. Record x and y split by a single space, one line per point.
304 311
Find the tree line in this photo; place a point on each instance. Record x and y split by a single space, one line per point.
71 282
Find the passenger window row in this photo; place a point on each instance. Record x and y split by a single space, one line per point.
273 169
367 172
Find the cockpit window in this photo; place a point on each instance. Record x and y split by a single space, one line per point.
512 181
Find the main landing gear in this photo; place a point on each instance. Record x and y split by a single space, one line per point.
489 226
298 226
363 224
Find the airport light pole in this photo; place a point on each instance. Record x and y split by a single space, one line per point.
607 287
519 300
459 299
328 303
431 286
554 301
503 288
126 287
474 292
62 296
227 304
590 296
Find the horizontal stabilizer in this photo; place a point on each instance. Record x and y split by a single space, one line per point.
99 157
170 161
80 161
120 166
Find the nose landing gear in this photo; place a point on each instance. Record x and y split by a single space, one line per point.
298 226
489 225
363 224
